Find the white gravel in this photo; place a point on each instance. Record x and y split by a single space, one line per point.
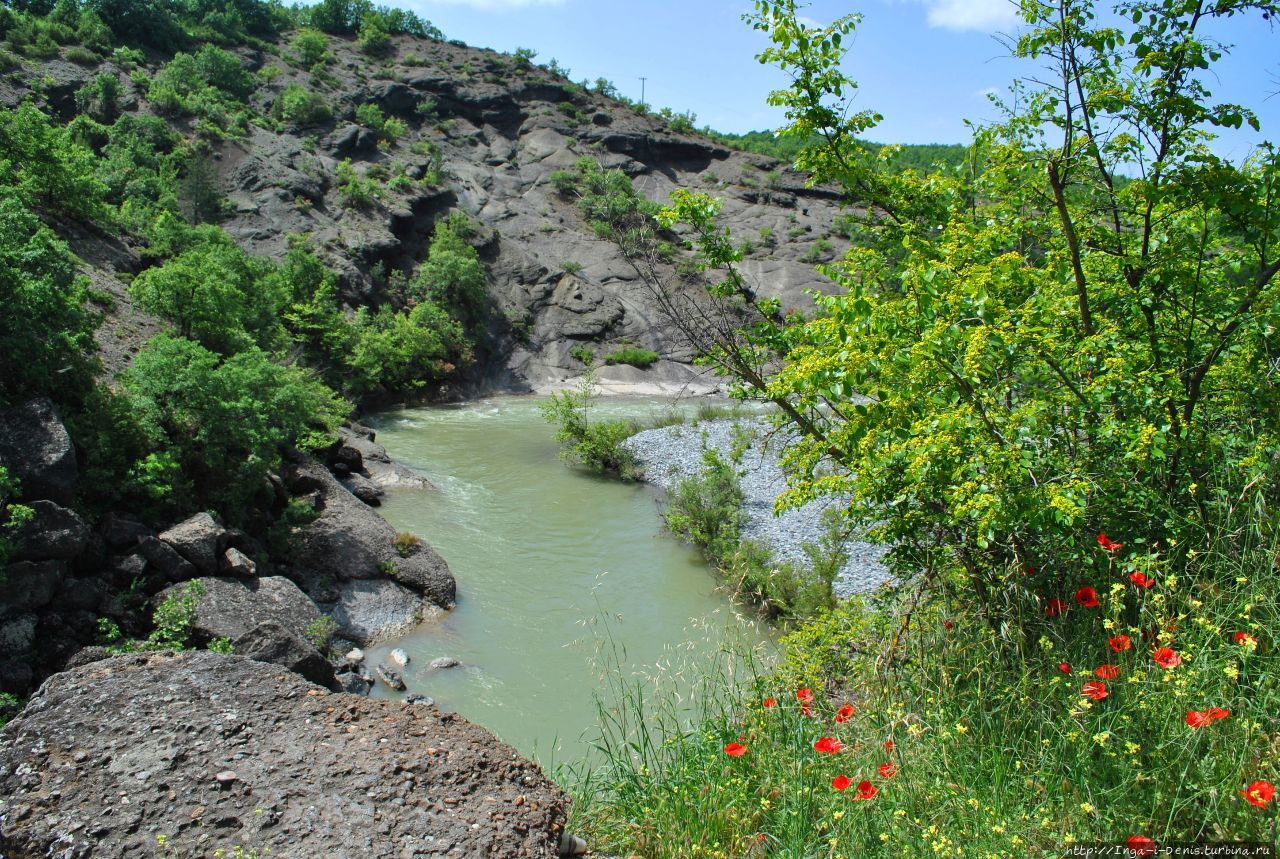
671 454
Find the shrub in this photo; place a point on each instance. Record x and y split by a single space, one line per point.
320 632
593 444
633 355
301 106
225 420
46 336
355 192
707 510
407 544
311 48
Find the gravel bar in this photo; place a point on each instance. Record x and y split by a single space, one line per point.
671 454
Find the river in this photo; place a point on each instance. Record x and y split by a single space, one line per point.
557 571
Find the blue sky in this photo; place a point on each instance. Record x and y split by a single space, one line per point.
926 65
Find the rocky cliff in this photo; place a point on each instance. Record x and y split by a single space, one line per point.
486 132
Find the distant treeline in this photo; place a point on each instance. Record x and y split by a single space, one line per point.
922 157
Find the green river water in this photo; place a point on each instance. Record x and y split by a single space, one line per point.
554 567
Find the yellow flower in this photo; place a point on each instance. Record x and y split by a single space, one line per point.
961 729
1087 808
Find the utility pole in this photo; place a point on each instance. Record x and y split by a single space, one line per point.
642 103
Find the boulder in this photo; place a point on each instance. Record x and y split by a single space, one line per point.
121 532
237 563
427 573
353 680
273 643
230 608
399 657
389 676
200 540
54 532
377 464
363 488
315 773
350 541
28 585
35 448
166 560
442 662
368 610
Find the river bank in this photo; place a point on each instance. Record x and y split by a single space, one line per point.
669 455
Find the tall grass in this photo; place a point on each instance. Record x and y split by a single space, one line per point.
993 748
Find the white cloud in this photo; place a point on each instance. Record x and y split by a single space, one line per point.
987 92
813 23
498 5
984 15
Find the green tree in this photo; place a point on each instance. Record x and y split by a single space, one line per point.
407 351
1037 352
225 420
46 335
47 167
453 276
214 293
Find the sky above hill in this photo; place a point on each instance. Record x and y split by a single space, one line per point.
926 65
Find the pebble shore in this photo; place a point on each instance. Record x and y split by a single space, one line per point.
671 454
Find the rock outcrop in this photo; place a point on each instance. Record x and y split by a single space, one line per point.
218 752
347 561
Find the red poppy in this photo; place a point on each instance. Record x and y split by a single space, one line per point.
1167 658
1064 667
1198 718
1216 713
1142 580
1095 690
770 703
1087 597
1119 643
887 770
1141 846
1244 639
1105 542
1108 671
805 697
827 745
735 750
844 713
867 790
1260 793
888 745
841 782
1055 607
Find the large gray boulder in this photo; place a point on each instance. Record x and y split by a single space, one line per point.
349 541
278 645
165 560
35 448
217 751
200 540
29 585
54 532
368 610
230 608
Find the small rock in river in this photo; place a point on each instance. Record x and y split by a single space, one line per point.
443 662
390 677
399 657
419 699
355 656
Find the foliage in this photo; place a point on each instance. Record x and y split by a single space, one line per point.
46 167
356 191
175 616
407 544
406 351
320 632
1020 392
12 515
593 444
225 420
707 510
10 706
215 294
991 757
210 84
301 106
920 157
46 335
453 276
311 48
633 355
